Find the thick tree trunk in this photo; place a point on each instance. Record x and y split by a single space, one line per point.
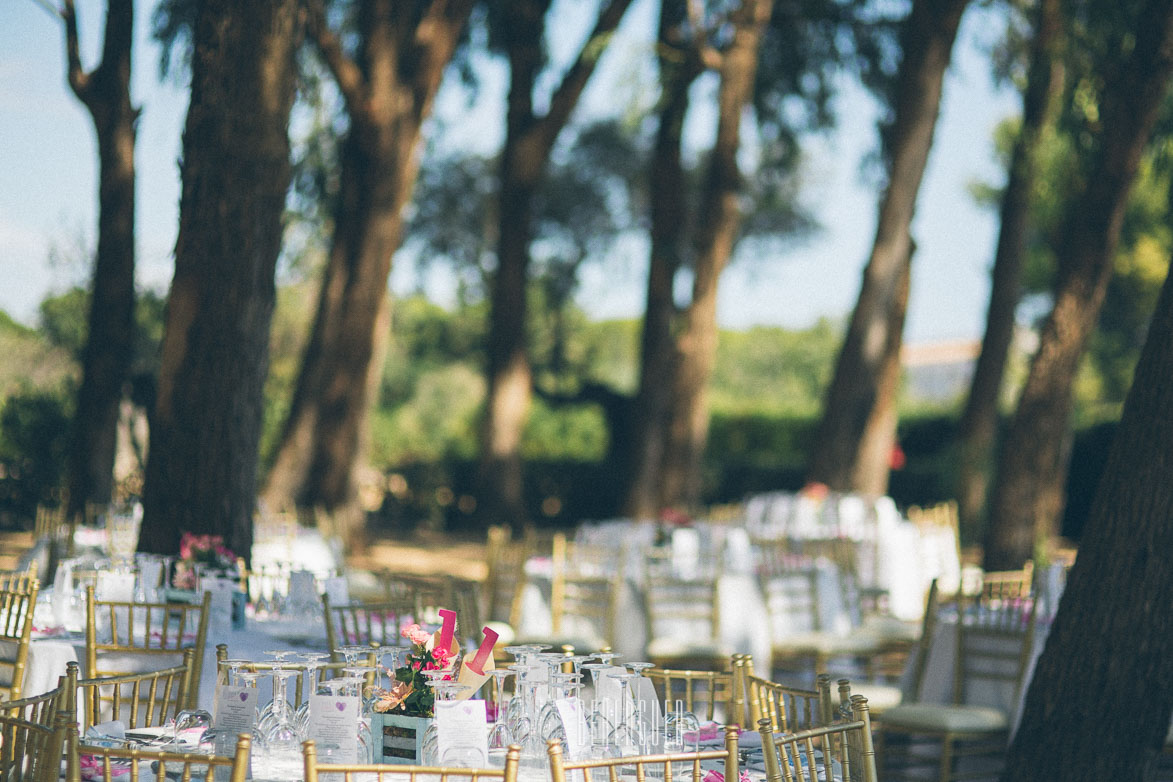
1027 500
874 464
1112 640
719 220
528 141
680 65
108 351
857 395
389 94
201 472
979 421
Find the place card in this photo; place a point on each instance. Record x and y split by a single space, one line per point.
578 736
333 726
235 712
463 734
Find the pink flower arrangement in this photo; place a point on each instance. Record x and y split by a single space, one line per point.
204 549
411 694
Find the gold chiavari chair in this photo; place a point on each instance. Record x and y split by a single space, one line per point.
668 766
840 750
314 770
16 627
137 700
793 611
1007 585
363 624
584 598
134 637
126 762
503 585
33 732
683 618
30 751
19 579
993 650
787 707
710 695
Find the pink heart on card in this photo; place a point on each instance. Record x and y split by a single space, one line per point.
341 706
243 697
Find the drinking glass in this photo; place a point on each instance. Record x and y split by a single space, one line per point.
500 737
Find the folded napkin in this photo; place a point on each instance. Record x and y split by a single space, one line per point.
717 776
707 732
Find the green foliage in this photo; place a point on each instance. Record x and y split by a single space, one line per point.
773 369
63 320
34 438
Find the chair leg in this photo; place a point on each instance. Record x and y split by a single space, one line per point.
946 758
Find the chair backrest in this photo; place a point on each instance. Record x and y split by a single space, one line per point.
1007 585
42 709
669 766
16 627
792 600
677 606
584 595
30 751
137 700
710 695
920 653
19 579
840 750
116 762
994 640
786 707
135 637
406 773
506 560
364 624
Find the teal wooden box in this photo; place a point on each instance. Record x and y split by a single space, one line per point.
398 738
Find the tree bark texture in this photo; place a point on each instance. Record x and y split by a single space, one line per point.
719 219
529 139
680 65
108 352
201 471
854 404
389 90
1099 703
979 421
1027 498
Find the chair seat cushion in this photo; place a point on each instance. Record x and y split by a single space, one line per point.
881 697
890 629
935 718
817 642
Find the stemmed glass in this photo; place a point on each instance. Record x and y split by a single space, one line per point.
500 737
313 662
627 737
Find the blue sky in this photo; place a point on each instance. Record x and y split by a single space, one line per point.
48 191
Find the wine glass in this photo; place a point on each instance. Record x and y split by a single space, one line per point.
627 737
500 737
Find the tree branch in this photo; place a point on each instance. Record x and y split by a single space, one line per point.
566 97
79 80
346 74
